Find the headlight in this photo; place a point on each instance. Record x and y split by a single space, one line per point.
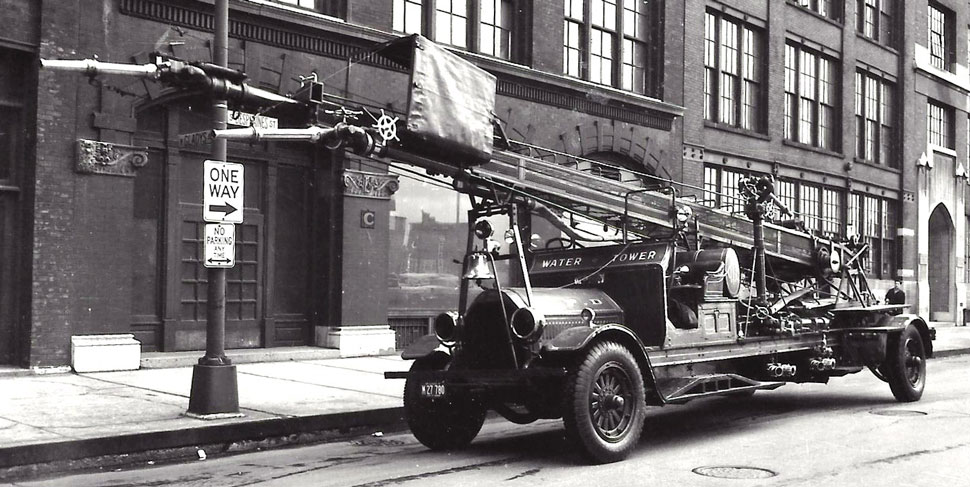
683 214
483 229
446 328
527 324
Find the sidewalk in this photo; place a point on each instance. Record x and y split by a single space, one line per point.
60 417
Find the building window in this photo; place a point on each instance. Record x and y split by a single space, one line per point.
572 38
826 8
13 98
495 28
878 220
942 38
831 220
408 16
483 26
613 44
874 113
873 219
939 120
328 7
721 189
450 22
733 72
810 98
875 20
818 207
809 206
787 194
299 3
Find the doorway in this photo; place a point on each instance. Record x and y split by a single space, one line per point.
941 265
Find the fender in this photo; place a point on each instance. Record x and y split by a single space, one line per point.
424 346
926 333
869 344
577 339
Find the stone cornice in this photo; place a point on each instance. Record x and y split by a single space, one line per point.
326 36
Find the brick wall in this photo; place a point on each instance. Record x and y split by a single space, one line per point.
81 263
371 13
20 22
547 28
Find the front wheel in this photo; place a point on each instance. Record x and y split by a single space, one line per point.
444 423
604 405
905 366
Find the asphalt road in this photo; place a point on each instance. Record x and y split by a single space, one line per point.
847 433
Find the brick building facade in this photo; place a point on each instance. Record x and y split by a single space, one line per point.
858 108
99 249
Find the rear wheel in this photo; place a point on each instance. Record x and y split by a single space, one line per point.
444 423
604 405
905 366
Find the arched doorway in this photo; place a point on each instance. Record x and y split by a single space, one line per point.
941 265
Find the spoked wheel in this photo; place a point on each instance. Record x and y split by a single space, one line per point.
905 366
442 423
604 405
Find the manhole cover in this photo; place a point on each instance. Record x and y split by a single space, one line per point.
897 412
735 472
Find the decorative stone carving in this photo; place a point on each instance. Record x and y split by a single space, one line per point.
94 157
363 184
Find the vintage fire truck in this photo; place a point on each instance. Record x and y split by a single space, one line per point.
597 334
689 302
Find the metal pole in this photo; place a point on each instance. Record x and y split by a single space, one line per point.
759 259
214 387
215 339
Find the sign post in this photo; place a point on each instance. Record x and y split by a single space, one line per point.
215 392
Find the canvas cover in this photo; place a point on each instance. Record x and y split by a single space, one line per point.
451 103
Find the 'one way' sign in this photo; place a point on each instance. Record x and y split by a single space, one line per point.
222 197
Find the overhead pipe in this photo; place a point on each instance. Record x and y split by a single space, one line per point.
222 83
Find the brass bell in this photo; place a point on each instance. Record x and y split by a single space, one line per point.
478 267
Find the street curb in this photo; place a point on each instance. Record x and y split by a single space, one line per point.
222 433
950 353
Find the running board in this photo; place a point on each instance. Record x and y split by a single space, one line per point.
683 389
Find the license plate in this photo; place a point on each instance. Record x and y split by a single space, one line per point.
433 389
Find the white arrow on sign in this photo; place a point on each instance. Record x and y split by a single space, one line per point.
220 245
222 197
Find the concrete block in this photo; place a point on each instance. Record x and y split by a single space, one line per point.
105 353
357 341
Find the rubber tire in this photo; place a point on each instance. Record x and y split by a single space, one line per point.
604 361
448 423
905 366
